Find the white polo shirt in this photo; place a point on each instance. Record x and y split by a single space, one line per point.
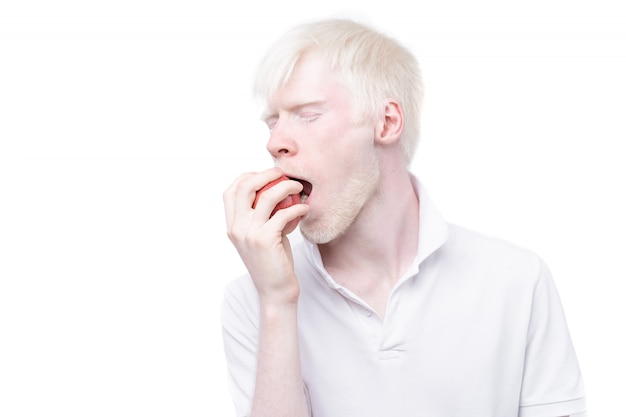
474 328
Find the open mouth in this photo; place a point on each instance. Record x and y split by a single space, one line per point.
307 187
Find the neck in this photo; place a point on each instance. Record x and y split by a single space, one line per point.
382 242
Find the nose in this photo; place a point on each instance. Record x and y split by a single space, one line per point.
281 142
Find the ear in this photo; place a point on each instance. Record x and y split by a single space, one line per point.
391 124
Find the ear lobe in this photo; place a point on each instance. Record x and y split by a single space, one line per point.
391 125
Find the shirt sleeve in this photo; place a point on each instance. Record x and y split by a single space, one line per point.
240 337
552 383
240 332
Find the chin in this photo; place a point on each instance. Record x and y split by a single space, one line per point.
325 231
334 220
316 236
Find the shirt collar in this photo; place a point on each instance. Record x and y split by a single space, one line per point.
433 233
433 229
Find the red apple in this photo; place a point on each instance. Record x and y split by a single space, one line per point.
289 201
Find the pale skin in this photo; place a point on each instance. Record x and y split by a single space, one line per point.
314 135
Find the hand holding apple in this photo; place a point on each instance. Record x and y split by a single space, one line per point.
288 201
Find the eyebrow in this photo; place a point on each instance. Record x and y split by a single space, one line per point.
268 114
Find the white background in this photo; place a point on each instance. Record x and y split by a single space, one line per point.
122 121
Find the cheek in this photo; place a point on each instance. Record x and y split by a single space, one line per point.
339 151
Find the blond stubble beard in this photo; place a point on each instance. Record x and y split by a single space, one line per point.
338 217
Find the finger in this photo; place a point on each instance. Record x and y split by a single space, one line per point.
271 197
229 196
239 195
287 219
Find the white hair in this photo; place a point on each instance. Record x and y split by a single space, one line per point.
374 66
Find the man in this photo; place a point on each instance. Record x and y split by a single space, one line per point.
383 309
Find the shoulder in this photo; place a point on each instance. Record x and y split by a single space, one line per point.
240 301
481 246
469 252
240 287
